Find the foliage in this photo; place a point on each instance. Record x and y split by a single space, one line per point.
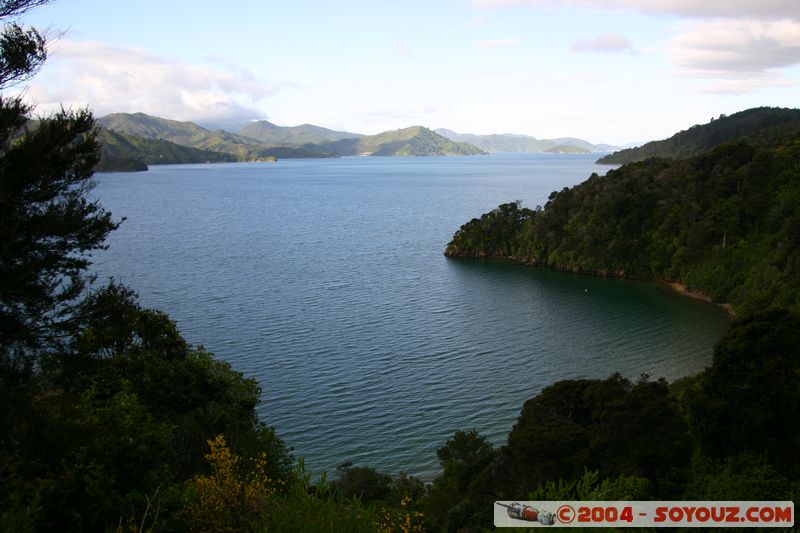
724 223
307 507
404 487
48 227
734 436
755 378
363 483
493 235
128 394
590 487
611 425
741 477
138 128
107 413
232 495
403 520
199 396
764 125
73 455
124 153
461 457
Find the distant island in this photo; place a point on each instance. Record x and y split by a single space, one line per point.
130 142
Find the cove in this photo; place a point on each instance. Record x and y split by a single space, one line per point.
325 281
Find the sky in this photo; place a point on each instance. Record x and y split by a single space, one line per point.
608 71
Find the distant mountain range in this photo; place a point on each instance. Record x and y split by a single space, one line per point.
761 125
189 134
268 133
524 143
131 141
124 152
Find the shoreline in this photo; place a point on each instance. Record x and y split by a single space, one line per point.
674 286
683 290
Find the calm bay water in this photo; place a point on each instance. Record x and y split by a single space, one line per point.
325 281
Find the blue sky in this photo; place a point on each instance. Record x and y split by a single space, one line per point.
612 71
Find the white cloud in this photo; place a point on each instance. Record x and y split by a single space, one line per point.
723 40
738 48
605 42
683 8
115 79
404 50
746 85
498 43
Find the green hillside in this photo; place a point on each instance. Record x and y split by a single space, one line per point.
98 393
123 152
413 141
566 149
194 136
499 143
510 143
726 223
763 125
149 127
294 136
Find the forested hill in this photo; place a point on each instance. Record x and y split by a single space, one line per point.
413 141
268 140
726 223
189 134
123 152
765 126
512 143
273 135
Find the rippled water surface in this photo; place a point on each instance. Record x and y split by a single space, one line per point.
325 281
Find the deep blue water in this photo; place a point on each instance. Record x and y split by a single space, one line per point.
325 281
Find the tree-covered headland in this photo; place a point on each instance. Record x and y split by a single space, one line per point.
111 421
726 224
763 126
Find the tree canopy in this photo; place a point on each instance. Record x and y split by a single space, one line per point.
48 225
724 223
105 408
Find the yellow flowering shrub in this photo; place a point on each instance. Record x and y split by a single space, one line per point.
232 495
406 520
